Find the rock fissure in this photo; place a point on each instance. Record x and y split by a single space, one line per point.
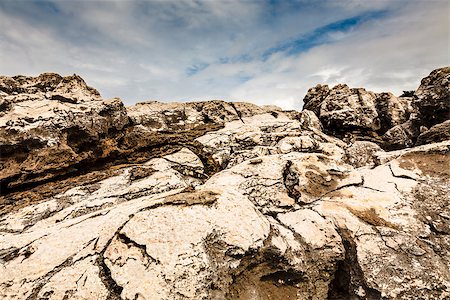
349 280
143 249
291 181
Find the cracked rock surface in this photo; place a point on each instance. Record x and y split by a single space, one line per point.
217 200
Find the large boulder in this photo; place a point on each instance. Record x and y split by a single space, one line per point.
433 97
438 133
402 136
342 109
347 109
314 98
392 110
392 122
431 108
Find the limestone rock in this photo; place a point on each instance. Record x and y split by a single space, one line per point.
315 97
42 134
309 120
215 200
346 108
176 116
392 111
401 136
71 89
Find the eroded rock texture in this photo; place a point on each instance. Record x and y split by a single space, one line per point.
392 122
216 200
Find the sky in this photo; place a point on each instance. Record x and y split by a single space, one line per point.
264 51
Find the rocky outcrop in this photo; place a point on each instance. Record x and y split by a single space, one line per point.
52 126
342 109
174 116
437 133
52 123
392 122
70 89
432 98
217 200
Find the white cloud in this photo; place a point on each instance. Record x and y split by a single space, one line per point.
392 54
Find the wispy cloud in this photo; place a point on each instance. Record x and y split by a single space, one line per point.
259 51
326 34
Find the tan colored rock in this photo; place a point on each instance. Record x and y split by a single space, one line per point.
437 133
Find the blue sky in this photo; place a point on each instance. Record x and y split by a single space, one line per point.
265 52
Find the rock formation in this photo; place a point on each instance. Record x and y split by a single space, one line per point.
217 200
393 122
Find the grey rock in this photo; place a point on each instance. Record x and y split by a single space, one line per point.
357 114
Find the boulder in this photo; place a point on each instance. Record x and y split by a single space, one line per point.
432 98
392 111
314 98
309 120
437 133
402 136
348 109
392 122
343 109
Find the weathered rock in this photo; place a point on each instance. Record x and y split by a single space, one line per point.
69 89
315 97
362 154
223 201
433 97
347 109
42 134
438 133
392 111
431 106
402 136
357 114
266 134
309 120
175 116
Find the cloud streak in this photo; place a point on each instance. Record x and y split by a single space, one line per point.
266 52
